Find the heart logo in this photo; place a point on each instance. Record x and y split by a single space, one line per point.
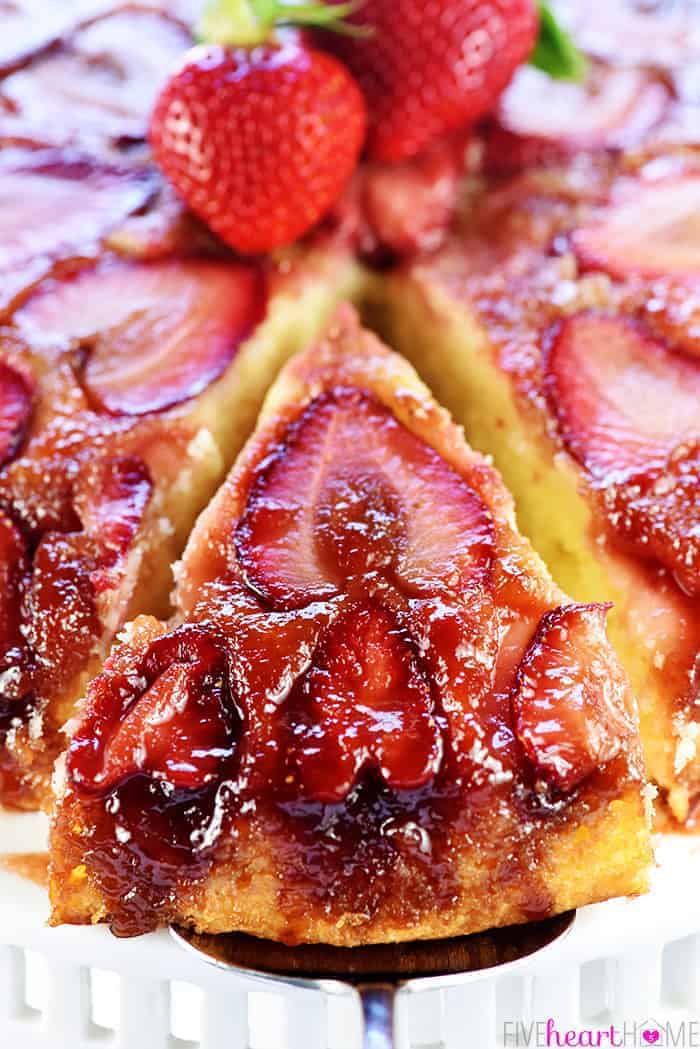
651 1037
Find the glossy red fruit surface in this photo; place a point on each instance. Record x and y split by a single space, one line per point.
173 719
155 334
623 400
426 70
567 700
408 206
655 512
540 121
15 410
111 499
652 232
353 501
367 703
629 409
261 142
16 698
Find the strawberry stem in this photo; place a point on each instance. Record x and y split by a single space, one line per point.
248 23
555 52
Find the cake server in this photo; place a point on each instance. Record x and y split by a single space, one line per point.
377 972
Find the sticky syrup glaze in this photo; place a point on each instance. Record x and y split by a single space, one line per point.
364 623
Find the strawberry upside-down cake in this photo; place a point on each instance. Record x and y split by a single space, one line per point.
373 716
560 323
134 355
366 712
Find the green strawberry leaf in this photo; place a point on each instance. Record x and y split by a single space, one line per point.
247 23
555 52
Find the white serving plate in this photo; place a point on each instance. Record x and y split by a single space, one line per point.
625 962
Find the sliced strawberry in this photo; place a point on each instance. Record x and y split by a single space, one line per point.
111 501
568 702
409 206
170 731
622 399
13 569
14 654
15 410
52 209
156 334
656 512
653 232
352 499
541 121
368 705
62 625
171 718
97 90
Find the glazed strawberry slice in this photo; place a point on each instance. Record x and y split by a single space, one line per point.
409 206
61 621
14 655
13 569
53 209
568 701
655 513
352 500
171 718
541 121
15 410
368 704
623 400
155 334
113 496
653 232
169 731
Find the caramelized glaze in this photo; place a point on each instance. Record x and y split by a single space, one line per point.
344 692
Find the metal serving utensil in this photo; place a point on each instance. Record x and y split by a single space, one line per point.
379 971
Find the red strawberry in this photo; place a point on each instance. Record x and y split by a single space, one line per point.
13 566
14 653
171 718
652 232
171 730
568 702
111 500
622 399
409 206
352 499
369 704
540 122
15 410
158 333
259 142
656 513
427 69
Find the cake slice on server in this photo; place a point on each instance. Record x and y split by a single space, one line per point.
560 325
373 716
127 387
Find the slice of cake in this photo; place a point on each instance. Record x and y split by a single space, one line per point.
127 386
373 717
561 326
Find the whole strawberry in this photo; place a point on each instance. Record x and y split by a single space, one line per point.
427 68
259 140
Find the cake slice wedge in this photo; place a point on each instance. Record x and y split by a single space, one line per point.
373 716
